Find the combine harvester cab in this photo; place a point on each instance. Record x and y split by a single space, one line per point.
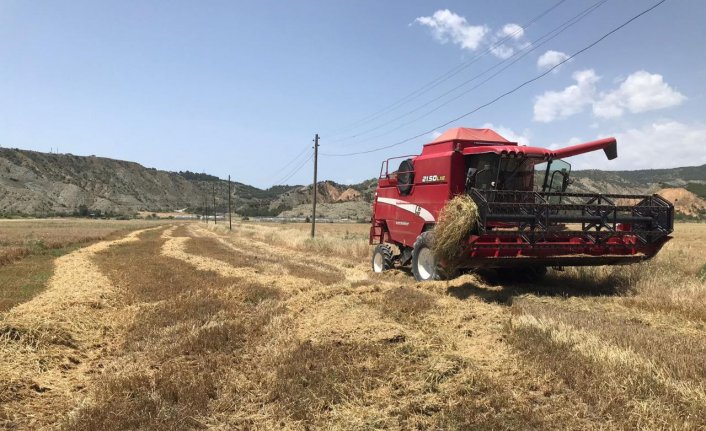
527 221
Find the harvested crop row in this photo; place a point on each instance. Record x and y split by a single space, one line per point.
51 343
617 383
242 242
214 249
189 327
420 340
216 332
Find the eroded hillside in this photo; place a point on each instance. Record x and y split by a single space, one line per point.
36 183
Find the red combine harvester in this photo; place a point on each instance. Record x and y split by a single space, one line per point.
526 219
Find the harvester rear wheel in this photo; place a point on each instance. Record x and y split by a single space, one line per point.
424 264
382 258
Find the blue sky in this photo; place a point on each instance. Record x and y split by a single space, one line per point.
240 88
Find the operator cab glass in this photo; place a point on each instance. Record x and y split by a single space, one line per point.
552 176
481 171
495 172
516 174
557 176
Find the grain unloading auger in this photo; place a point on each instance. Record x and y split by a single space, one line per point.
526 219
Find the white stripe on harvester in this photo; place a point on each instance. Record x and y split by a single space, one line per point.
413 208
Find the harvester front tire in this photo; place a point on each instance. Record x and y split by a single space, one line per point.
424 264
382 258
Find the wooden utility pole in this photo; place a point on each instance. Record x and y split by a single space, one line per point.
214 203
316 162
230 212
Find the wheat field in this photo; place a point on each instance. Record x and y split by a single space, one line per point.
29 247
190 326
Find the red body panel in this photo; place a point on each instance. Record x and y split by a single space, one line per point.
405 219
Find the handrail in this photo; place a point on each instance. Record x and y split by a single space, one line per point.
386 164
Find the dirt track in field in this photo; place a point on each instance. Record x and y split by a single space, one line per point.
378 351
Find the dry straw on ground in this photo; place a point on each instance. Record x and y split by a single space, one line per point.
207 329
456 221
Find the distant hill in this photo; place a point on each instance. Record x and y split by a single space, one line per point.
36 183
693 178
684 187
43 184
685 202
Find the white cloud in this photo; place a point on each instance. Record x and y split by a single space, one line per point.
511 36
446 26
502 51
571 100
435 134
639 92
642 91
609 106
550 59
509 134
512 30
661 144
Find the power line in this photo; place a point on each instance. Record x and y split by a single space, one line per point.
439 80
446 76
295 158
291 161
507 93
291 173
298 168
520 54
